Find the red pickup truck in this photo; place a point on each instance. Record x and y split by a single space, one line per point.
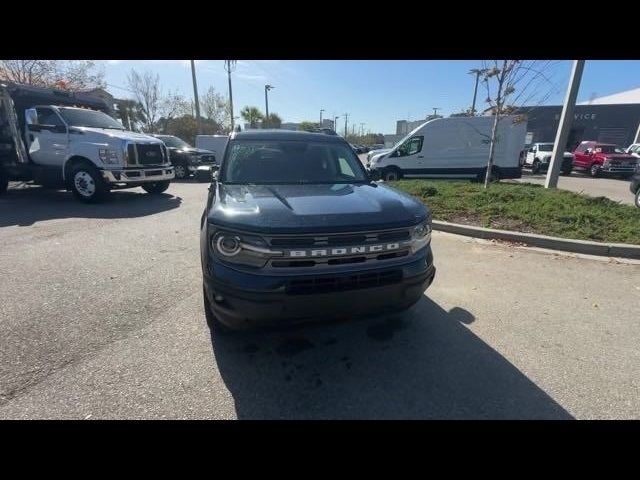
597 158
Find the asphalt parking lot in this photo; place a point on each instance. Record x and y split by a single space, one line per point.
102 318
613 187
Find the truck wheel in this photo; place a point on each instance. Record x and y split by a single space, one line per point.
4 183
87 184
212 321
156 187
181 171
594 171
535 168
391 174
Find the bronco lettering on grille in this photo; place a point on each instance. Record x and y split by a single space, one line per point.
331 252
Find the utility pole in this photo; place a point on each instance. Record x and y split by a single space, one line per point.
229 66
566 117
435 111
477 72
266 103
321 110
346 118
195 96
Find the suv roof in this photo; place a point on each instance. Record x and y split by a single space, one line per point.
274 134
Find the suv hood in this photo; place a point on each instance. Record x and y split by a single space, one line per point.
298 209
120 134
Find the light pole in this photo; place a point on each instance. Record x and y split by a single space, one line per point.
435 111
564 126
266 103
477 72
195 96
346 119
335 123
321 110
229 66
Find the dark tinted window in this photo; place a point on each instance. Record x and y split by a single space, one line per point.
46 116
281 162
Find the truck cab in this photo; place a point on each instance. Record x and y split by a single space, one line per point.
69 141
604 158
538 158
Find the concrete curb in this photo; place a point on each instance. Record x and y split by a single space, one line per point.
621 250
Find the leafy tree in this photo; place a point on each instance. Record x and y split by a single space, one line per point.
130 113
308 126
273 121
146 90
64 74
252 115
186 127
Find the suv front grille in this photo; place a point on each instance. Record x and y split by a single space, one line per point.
326 284
339 240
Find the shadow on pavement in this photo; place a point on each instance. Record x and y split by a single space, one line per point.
422 364
28 205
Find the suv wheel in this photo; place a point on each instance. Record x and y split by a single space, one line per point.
87 184
594 171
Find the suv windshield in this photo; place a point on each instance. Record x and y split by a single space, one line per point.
79 117
174 142
290 162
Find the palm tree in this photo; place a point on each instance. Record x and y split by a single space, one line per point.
252 115
274 120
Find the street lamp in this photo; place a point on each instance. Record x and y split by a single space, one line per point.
266 102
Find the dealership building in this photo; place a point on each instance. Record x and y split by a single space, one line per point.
610 119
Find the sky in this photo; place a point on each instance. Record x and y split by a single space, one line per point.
374 92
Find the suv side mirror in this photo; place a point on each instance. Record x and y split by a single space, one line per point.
31 116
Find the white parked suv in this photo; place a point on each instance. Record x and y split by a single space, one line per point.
538 158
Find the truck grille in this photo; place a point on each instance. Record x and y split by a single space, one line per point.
326 284
150 154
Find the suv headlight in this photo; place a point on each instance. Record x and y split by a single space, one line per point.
421 235
242 249
108 156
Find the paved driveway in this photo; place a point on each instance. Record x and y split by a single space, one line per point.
102 318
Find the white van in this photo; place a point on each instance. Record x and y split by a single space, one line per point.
213 143
456 147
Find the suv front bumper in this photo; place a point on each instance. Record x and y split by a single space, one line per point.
243 300
138 175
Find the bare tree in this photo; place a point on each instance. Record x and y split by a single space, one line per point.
509 84
173 105
65 74
146 89
215 107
